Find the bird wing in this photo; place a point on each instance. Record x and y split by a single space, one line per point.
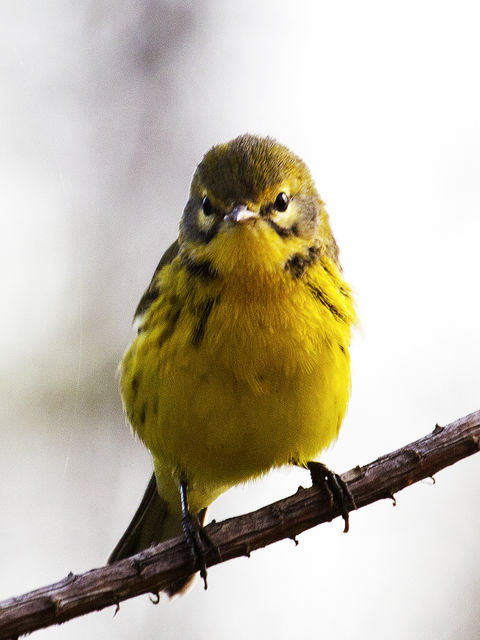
152 292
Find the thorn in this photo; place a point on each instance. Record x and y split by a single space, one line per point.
433 481
69 578
117 608
393 499
438 428
294 538
156 598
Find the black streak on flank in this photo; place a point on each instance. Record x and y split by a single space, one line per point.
172 319
320 296
203 311
135 383
284 232
143 414
202 269
345 293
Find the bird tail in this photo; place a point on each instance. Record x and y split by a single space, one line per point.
151 524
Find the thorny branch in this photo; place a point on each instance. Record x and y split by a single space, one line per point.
149 571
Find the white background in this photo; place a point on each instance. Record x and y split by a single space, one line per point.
106 108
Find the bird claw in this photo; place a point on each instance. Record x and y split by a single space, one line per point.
340 495
195 534
198 540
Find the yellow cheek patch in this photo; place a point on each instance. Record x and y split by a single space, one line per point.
205 223
286 219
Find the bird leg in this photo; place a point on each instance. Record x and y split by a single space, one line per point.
195 533
340 494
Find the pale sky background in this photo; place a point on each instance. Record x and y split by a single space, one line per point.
106 108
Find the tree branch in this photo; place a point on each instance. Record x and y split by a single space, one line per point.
154 568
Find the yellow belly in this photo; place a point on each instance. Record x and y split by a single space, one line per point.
267 385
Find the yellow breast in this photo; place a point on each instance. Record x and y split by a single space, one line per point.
228 379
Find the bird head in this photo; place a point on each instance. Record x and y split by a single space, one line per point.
253 205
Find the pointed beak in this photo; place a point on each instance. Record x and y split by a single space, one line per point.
241 214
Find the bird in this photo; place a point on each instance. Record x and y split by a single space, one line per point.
240 363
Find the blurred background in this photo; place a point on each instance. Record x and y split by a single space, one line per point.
106 108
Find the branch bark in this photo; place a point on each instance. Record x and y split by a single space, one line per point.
150 570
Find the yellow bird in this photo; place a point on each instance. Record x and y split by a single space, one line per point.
241 360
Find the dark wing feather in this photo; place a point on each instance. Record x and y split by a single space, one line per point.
146 526
151 524
152 293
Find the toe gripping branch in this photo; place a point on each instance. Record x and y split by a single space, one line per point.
195 534
337 488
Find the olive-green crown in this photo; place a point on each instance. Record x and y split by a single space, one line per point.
248 165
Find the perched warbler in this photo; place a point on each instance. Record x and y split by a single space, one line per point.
241 360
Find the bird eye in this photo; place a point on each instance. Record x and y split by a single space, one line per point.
207 206
281 202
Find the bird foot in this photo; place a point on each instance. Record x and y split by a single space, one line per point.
337 488
198 540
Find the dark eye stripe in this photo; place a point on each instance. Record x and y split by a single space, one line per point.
283 232
197 232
